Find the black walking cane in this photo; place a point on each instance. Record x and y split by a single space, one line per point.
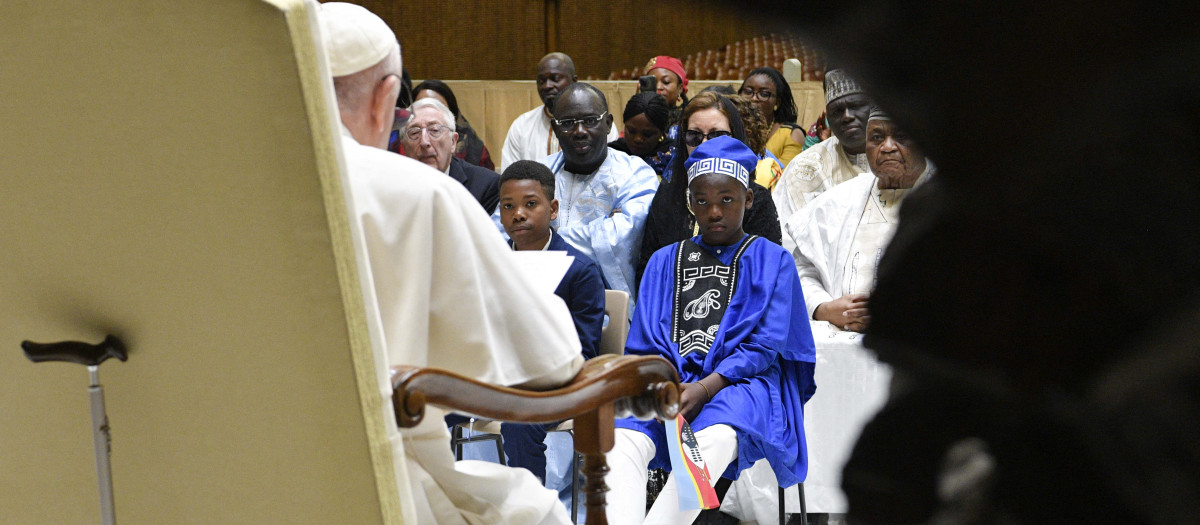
91 356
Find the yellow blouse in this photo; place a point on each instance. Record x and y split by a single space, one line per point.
782 146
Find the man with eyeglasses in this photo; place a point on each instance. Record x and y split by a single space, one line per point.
429 136
435 269
834 160
603 194
530 136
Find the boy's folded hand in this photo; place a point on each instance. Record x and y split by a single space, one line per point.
692 398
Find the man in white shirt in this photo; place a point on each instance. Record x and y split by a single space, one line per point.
529 136
435 267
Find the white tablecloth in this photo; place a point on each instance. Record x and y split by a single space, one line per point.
851 387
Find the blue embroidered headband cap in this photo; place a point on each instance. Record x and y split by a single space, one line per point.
355 39
838 84
725 155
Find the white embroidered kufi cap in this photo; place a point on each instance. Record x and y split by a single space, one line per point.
838 84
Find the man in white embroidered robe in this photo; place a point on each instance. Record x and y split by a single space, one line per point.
840 236
446 288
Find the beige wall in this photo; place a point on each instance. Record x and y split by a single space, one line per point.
491 105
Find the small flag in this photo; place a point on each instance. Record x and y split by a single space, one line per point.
692 480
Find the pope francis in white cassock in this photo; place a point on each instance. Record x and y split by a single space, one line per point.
448 289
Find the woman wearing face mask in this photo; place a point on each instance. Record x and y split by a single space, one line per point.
707 116
646 119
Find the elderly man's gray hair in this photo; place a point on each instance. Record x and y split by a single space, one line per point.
447 115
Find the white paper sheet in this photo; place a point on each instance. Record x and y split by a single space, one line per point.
545 268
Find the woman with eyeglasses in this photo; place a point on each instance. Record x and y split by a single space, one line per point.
705 117
773 95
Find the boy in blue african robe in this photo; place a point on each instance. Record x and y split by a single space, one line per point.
727 309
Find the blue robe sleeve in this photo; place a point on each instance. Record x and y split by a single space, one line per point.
650 331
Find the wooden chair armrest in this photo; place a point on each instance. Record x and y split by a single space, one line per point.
608 386
641 386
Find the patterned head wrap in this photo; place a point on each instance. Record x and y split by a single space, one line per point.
671 64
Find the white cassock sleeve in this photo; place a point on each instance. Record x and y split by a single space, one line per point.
449 296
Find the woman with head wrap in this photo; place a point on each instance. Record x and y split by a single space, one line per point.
705 117
672 85
470 147
773 95
647 118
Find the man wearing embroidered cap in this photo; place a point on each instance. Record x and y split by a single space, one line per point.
436 264
834 160
726 309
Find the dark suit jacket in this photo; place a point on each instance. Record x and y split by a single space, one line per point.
484 184
582 288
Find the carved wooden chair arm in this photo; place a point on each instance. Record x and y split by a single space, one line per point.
641 386
608 386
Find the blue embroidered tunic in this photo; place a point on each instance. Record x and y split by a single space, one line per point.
763 346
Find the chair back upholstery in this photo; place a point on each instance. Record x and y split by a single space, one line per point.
612 338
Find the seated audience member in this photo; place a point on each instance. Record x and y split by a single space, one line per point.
840 235
646 116
436 268
707 116
603 194
767 87
672 82
430 138
833 161
757 131
527 206
470 147
726 308
530 137
527 209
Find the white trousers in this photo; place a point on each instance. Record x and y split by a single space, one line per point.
631 454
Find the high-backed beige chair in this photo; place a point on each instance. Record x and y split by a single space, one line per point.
616 306
173 177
